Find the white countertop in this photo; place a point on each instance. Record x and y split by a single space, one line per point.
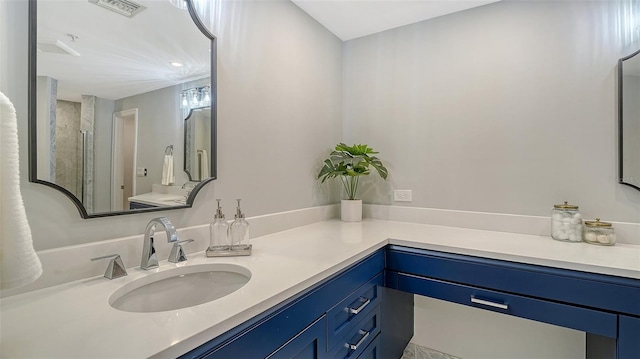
75 319
159 199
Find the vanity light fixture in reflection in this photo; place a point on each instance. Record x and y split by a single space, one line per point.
195 98
180 4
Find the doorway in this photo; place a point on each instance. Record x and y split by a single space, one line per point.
123 153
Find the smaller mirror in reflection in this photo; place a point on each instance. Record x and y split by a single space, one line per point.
197 142
629 126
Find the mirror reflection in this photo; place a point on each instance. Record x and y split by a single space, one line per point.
629 127
106 103
197 144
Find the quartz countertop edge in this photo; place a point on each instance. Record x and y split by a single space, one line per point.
159 199
53 322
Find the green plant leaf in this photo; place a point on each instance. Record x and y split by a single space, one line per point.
349 163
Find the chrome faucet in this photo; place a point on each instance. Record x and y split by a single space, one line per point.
149 257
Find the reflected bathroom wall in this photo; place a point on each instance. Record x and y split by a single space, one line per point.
74 137
160 124
67 169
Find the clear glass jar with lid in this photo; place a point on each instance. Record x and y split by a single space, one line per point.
566 223
600 233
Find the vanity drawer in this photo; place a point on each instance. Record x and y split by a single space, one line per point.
355 340
584 319
342 317
593 290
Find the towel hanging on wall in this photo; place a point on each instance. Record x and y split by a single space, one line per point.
167 167
204 164
19 262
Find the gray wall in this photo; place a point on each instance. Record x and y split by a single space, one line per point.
159 125
280 101
507 108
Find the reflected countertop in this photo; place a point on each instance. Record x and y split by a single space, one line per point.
159 199
76 320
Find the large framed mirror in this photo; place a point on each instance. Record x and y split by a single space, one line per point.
629 120
108 87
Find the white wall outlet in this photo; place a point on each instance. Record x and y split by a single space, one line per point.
402 195
141 172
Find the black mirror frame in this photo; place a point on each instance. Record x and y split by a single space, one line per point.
620 122
32 119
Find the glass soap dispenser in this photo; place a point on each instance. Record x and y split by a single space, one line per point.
218 233
240 233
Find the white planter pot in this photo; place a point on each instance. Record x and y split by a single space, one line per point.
351 210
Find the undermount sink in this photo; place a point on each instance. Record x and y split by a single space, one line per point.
180 287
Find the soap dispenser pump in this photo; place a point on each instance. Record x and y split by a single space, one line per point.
219 240
240 232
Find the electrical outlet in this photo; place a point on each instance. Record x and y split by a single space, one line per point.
402 195
141 172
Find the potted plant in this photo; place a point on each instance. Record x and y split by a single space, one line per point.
350 163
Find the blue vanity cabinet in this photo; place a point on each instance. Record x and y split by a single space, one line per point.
629 337
605 307
310 343
301 326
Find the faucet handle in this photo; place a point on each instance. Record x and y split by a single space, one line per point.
115 269
177 254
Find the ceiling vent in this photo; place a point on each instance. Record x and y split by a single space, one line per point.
123 7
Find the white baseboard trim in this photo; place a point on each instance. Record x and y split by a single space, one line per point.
628 233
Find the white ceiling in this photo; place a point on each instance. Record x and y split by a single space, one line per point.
350 19
119 56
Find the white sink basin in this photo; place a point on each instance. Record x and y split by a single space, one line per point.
181 287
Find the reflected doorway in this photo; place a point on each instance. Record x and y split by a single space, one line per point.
123 154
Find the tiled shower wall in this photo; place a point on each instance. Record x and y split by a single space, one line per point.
66 139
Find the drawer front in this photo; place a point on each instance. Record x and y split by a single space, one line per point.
354 342
599 291
372 351
308 344
345 314
588 320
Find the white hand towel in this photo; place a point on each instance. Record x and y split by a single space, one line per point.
19 263
167 171
204 165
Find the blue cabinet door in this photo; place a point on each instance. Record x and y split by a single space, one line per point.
628 337
308 344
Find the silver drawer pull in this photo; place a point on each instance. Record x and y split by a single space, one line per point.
365 335
364 301
488 303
